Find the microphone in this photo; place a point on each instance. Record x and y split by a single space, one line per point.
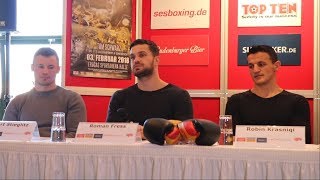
123 114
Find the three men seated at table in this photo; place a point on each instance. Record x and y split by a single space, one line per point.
151 97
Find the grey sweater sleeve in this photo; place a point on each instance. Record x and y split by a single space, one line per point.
13 110
76 113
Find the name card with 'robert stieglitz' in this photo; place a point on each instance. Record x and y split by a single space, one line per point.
270 136
107 132
19 130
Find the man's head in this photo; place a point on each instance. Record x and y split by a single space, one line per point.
45 67
263 64
144 55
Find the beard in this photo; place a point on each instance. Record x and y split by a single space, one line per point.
148 71
144 73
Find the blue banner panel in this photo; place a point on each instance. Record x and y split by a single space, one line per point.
287 47
8 15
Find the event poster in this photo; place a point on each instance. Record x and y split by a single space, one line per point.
100 38
253 13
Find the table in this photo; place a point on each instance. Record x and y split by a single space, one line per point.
74 160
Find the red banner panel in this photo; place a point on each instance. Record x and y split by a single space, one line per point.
183 50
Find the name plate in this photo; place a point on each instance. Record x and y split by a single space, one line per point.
270 136
122 133
19 130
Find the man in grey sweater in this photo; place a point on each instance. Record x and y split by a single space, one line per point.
46 97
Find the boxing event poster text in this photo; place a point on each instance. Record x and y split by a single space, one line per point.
100 39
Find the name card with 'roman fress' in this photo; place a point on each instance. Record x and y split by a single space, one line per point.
19 130
122 133
270 136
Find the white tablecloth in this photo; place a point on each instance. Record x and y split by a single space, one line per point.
71 160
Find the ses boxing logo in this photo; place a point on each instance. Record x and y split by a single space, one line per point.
253 13
180 14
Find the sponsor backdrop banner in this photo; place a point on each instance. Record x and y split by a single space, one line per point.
183 49
8 15
180 14
100 39
287 47
252 13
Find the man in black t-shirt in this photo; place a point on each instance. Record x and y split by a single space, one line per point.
151 97
267 103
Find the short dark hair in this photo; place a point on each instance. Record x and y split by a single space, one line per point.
264 48
152 45
46 51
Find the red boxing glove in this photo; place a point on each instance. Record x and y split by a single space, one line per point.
199 131
173 137
188 131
